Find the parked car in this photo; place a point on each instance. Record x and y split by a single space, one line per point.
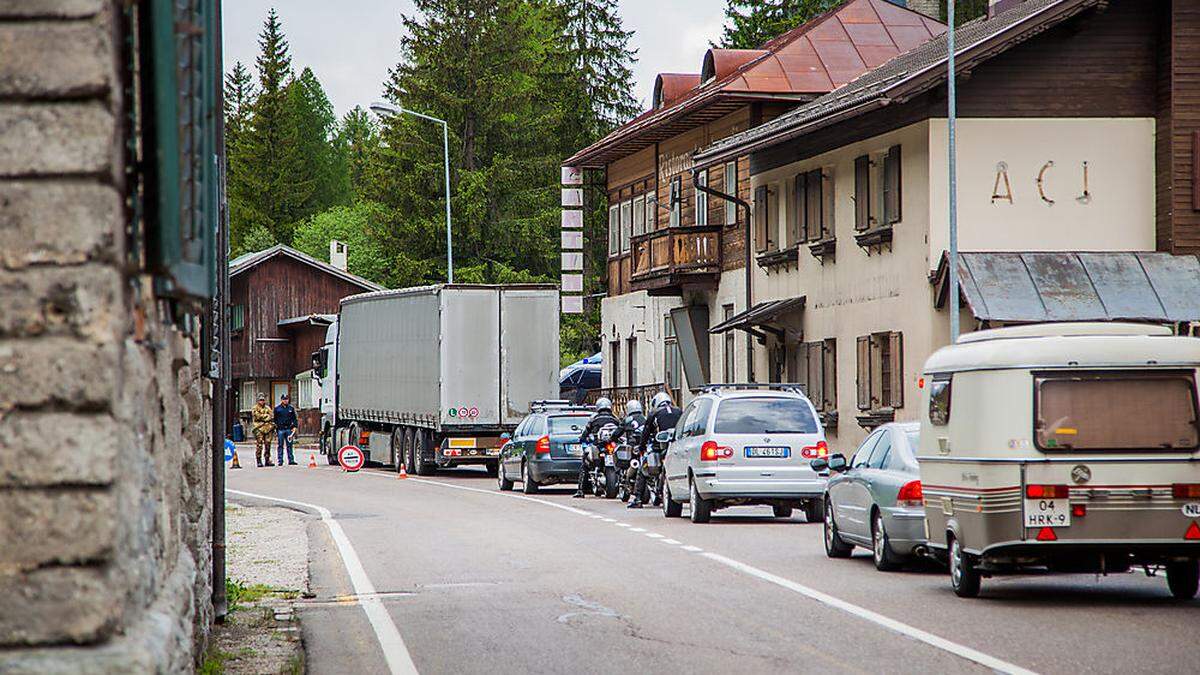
876 501
745 444
544 449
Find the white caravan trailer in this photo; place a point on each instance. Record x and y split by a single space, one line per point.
1067 447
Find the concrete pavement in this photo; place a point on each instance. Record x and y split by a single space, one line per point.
481 581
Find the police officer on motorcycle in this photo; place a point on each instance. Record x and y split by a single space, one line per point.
665 416
634 424
603 417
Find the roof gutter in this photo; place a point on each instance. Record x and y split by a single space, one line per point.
745 207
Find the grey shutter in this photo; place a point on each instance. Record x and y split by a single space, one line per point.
896 355
862 193
760 218
863 366
816 380
798 368
829 353
891 186
815 228
796 229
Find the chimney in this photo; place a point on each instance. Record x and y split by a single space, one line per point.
337 254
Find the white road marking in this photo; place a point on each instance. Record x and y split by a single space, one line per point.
654 535
623 525
610 520
692 549
874 617
395 652
638 529
671 542
597 515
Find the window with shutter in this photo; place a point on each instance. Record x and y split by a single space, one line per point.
676 199
798 367
626 225
760 218
827 202
881 376
702 199
816 379
814 227
862 193
896 369
639 215
731 188
891 185
796 232
863 367
829 388
614 230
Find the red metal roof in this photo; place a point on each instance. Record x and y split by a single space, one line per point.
670 87
807 61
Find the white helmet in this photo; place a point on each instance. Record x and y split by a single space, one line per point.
634 406
603 404
660 399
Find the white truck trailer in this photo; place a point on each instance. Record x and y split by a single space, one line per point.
431 376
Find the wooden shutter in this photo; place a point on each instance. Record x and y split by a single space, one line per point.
829 352
896 356
798 368
796 229
876 365
862 193
891 186
863 366
760 218
814 226
816 380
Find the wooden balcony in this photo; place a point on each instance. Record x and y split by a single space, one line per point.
671 260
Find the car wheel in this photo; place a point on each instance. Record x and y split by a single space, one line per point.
610 482
528 485
701 508
670 507
1183 578
835 546
782 511
963 575
502 480
881 548
814 510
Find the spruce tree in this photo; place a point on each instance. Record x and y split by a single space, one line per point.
310 135
358 140
751 23
239 96
600 59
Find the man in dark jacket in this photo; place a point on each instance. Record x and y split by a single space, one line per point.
601 419
285 428
665 416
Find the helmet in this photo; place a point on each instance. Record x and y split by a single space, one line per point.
660 399
634 406
603 404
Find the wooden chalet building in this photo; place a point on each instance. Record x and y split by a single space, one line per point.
281 302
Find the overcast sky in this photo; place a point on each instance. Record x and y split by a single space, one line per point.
351 44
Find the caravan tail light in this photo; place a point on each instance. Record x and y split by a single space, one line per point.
543 446
1047 491
711 452
1186 491
910 494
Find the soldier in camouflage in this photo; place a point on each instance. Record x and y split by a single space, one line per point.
263 417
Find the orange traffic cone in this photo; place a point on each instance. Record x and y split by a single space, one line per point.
403 473
312 460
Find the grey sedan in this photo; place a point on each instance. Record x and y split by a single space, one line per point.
876 500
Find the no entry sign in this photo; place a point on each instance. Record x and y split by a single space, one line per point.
351 458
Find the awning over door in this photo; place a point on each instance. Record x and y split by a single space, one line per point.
761 314
1075 286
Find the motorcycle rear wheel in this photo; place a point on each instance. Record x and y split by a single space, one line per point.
610 482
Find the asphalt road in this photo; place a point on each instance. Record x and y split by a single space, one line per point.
479 581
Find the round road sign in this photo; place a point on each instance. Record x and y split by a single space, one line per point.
351 458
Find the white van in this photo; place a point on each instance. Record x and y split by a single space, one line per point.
1067 447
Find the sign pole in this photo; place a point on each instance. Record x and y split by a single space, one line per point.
951 123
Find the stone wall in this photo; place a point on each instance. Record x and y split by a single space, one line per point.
105 456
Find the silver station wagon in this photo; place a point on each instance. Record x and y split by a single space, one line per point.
745 444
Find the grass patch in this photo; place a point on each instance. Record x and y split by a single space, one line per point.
214 662
238 593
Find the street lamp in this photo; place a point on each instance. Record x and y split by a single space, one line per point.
951 114
387 109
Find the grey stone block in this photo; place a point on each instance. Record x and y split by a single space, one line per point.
62 9
60 371
58 222
82 301
55 59
56 526
57 605
56 138
44 449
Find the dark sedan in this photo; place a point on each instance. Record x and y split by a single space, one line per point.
544 449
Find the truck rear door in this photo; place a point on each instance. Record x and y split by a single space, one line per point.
529 350
470 357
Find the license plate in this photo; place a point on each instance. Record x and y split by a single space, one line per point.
574 449
608 460
769 452
1047 513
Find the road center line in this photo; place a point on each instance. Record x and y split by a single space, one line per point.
395 652
874 617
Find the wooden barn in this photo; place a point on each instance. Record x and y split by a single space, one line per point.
281 302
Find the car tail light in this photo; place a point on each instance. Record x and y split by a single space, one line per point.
820 450
910 494
1047 491
1078 510
1186 491
543 445
711 452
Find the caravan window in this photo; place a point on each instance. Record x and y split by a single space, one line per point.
1115 410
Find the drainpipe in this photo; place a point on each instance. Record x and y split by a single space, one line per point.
745 207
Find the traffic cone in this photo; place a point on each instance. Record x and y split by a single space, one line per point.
236 463
312 460
403 473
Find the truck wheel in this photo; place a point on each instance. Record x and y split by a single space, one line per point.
421 464
327 447
399 446
610 482
782 511
963 575
492 468
1183 578
528 484
410 450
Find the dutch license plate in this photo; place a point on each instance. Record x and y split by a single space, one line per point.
1047 512
769 452
574 449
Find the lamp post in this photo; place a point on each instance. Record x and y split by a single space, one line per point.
951 114
389 110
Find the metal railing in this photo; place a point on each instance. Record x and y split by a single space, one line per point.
622 395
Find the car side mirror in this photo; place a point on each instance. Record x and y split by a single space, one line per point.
837 462
506 436
819 465
665 436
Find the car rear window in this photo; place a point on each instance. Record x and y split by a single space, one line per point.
765 416
568 424
1115 411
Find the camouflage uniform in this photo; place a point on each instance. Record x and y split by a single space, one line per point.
263 417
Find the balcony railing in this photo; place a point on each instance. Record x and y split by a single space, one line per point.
622 395
668 260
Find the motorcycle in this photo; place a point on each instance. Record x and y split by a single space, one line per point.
627 461
602 466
